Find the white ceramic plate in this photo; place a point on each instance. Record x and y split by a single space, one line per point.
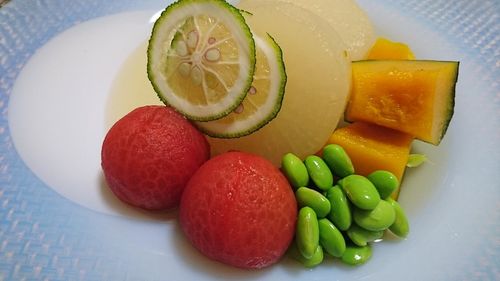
62 65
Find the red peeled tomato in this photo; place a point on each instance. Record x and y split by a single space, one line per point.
149 155
240 210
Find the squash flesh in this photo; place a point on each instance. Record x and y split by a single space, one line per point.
415 97
385 49
372 148
404 104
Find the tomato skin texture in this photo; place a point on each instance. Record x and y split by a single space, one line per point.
149 155
239 209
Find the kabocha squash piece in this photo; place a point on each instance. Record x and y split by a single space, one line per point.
373 147
385 49
412 96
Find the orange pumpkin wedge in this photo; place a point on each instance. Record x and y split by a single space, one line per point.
372 148
416 97
385 49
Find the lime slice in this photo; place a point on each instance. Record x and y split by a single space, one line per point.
201 58
263 101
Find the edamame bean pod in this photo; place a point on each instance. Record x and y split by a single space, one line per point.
360 191
311 198
385 182
294 170
307 232
331 238
340 210
361 236
319 172
400 227
337 159
377 219
356 255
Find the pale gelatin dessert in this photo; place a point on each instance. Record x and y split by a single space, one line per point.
345 16
318 71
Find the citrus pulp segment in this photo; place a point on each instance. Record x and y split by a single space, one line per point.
263 101
318 81
345 16
201 58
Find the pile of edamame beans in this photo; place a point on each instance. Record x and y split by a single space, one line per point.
340 213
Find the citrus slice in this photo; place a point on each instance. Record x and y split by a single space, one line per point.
201 58
263 101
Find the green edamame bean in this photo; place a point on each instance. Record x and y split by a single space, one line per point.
360 191
361 236
319 172
337 159
400 227
340 210
355 255
311 198
315 260
377 219
385 182
307 232
331 238
294 170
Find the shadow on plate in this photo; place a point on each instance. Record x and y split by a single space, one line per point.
130 211
219 271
